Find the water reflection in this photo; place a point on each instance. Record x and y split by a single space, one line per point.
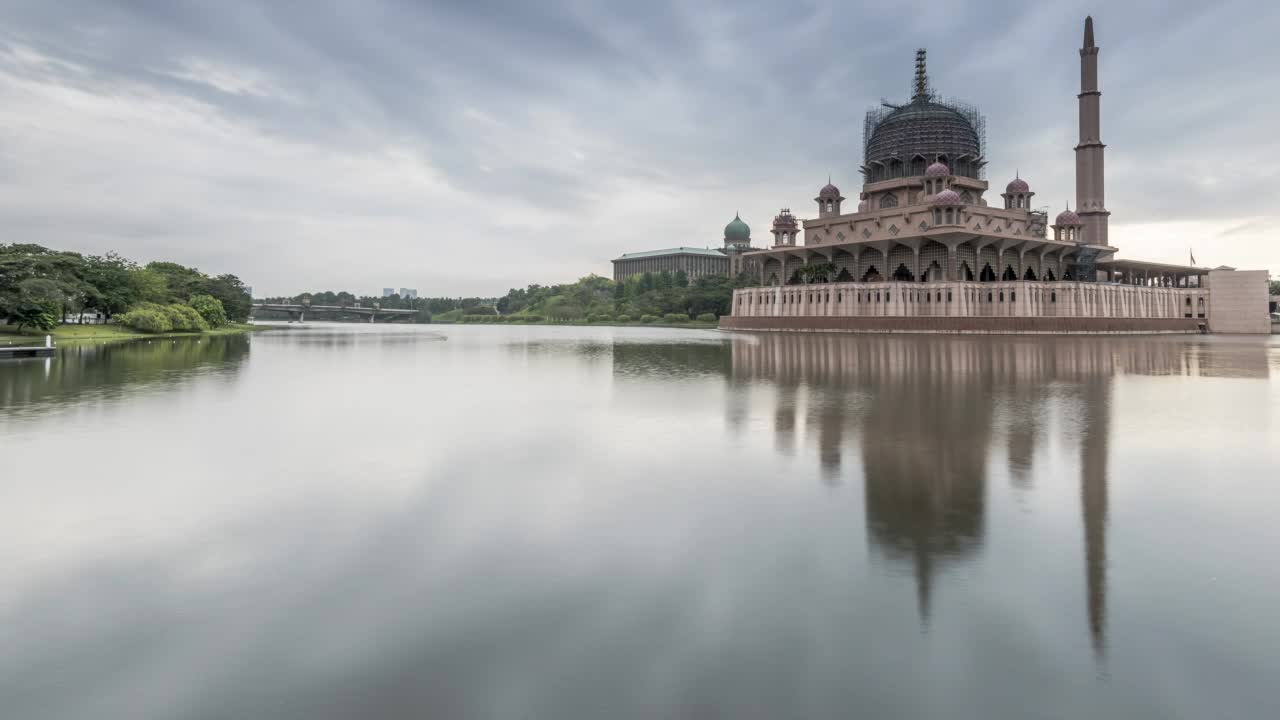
85 372
924 414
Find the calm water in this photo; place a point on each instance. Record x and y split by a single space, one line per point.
349 521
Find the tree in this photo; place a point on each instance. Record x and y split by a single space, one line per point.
38 314
233 295
682 279
210 308
1275 287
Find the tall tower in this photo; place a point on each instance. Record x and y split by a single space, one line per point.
1090 202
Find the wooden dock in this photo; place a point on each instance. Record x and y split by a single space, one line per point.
13 352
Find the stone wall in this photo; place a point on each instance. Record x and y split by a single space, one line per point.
1239 301
967 325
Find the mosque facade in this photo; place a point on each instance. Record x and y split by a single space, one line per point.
926 250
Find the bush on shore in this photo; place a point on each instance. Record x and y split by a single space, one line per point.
675 318
153 318
624 318
648 318
707 317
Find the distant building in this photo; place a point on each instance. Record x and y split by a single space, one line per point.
695 262
388 292
409 293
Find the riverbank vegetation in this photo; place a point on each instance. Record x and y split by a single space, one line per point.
646 298
40 287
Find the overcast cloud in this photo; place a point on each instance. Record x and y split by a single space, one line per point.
463 148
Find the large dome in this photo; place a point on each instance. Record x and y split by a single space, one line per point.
902 140
737 231
925 128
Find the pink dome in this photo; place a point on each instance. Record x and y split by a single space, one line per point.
862 206
947 197
829 192
1066 217
1018 185
937 170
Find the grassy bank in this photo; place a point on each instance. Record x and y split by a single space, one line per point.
100 333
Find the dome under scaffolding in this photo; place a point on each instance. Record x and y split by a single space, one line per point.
902 140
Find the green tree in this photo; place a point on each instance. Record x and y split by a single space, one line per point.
682 279
1275 287
210 308
30 313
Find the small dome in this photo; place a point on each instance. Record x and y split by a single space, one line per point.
1066 217
947 197
1017 185
937 170
862 206
737 230
830 192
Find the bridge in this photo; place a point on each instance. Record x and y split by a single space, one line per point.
298 313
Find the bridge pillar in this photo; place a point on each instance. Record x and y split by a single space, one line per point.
372 317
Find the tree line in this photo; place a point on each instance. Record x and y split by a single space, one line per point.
662 295
40 287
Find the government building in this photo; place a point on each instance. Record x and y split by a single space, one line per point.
926 250
694 262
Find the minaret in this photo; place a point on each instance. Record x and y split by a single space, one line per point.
1090 204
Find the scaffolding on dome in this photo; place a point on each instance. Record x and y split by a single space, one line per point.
945 138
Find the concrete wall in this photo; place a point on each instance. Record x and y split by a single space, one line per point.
1239 302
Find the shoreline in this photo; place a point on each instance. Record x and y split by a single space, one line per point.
107 332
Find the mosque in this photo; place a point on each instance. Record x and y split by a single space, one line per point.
926 251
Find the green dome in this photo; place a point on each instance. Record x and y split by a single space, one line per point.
737 231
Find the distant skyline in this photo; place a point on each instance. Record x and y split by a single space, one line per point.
464 148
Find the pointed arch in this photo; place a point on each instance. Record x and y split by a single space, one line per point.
987 274
902 274
888 200
1049 276
1030 274
871 275
1009 274
966 272
844 275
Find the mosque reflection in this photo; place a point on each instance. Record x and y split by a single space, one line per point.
924 413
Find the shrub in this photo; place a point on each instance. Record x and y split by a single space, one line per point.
604 318
146 317
531 318
624 318
648 318
707 317
184 318
210 308
675 318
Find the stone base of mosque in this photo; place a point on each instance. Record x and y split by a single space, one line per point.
969 325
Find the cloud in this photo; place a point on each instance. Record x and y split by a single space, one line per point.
466 147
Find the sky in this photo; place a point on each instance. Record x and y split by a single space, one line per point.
464 148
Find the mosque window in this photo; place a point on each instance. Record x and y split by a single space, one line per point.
949 216
888 200
948 296
1013 296
1053 297
966 197
830 206
1001 296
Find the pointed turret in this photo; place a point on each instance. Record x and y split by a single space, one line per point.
1088 32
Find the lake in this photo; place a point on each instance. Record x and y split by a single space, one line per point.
340 521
